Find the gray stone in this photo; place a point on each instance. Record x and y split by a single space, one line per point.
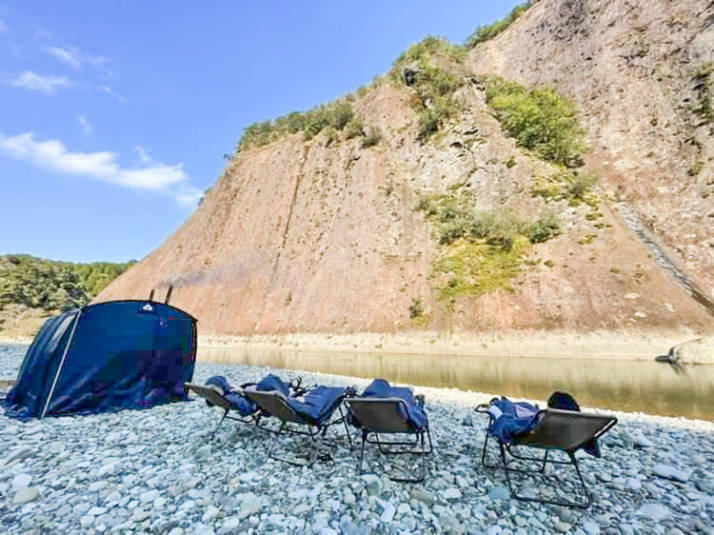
655 511
25 495
250 506
231 522
704 481
670 472
110 467
451 494
421 495
499 493
139 515
561 527
590 527
634 483
20 454
96 486
388 511
627 441
643 442
21 480
148 496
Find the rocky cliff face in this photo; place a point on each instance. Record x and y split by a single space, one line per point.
641 74
325 235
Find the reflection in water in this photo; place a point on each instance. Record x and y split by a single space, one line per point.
625 385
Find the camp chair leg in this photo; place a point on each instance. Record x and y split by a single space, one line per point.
483 455
219 425
545 462
361 453
343 417
563 502
418 447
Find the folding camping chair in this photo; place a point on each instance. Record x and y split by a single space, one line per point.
555 430
395 412
311 417
248 413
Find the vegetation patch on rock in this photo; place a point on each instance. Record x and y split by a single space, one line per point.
480 250
539 119
422 68
489 31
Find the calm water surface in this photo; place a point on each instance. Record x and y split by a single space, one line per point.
642 386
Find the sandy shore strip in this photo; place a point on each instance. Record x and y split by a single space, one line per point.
604 344
556 344
154 471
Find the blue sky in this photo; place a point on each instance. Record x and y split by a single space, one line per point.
114 116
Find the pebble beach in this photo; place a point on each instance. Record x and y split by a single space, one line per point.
156 471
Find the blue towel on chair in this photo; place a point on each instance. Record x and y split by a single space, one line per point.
511 418
240 403
272 382
318 404
414 413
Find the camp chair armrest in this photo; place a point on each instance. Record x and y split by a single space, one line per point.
482 408
607 427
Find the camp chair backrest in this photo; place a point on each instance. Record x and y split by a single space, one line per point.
273 403
566 430
210 395
380 415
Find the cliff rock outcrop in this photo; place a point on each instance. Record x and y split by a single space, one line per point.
329 234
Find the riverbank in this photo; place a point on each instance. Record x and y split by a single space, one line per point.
631 345
154 471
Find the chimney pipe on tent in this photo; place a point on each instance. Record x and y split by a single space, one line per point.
168 294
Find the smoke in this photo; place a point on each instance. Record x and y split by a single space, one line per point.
231 274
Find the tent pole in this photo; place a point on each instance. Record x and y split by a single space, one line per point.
59 369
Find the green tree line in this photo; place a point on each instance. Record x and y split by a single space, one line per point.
53 285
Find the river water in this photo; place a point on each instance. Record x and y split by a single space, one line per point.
626 385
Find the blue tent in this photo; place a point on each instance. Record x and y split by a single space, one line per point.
105 357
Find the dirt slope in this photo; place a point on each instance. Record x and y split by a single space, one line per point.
324 236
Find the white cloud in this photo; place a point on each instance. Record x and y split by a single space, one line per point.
87 128
143 154
37 82
67 56
76 58
53 155
109 91
3 26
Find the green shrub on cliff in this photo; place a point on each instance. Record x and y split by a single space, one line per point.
336 114
489 31
539 119
480 250
371 138
433 84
